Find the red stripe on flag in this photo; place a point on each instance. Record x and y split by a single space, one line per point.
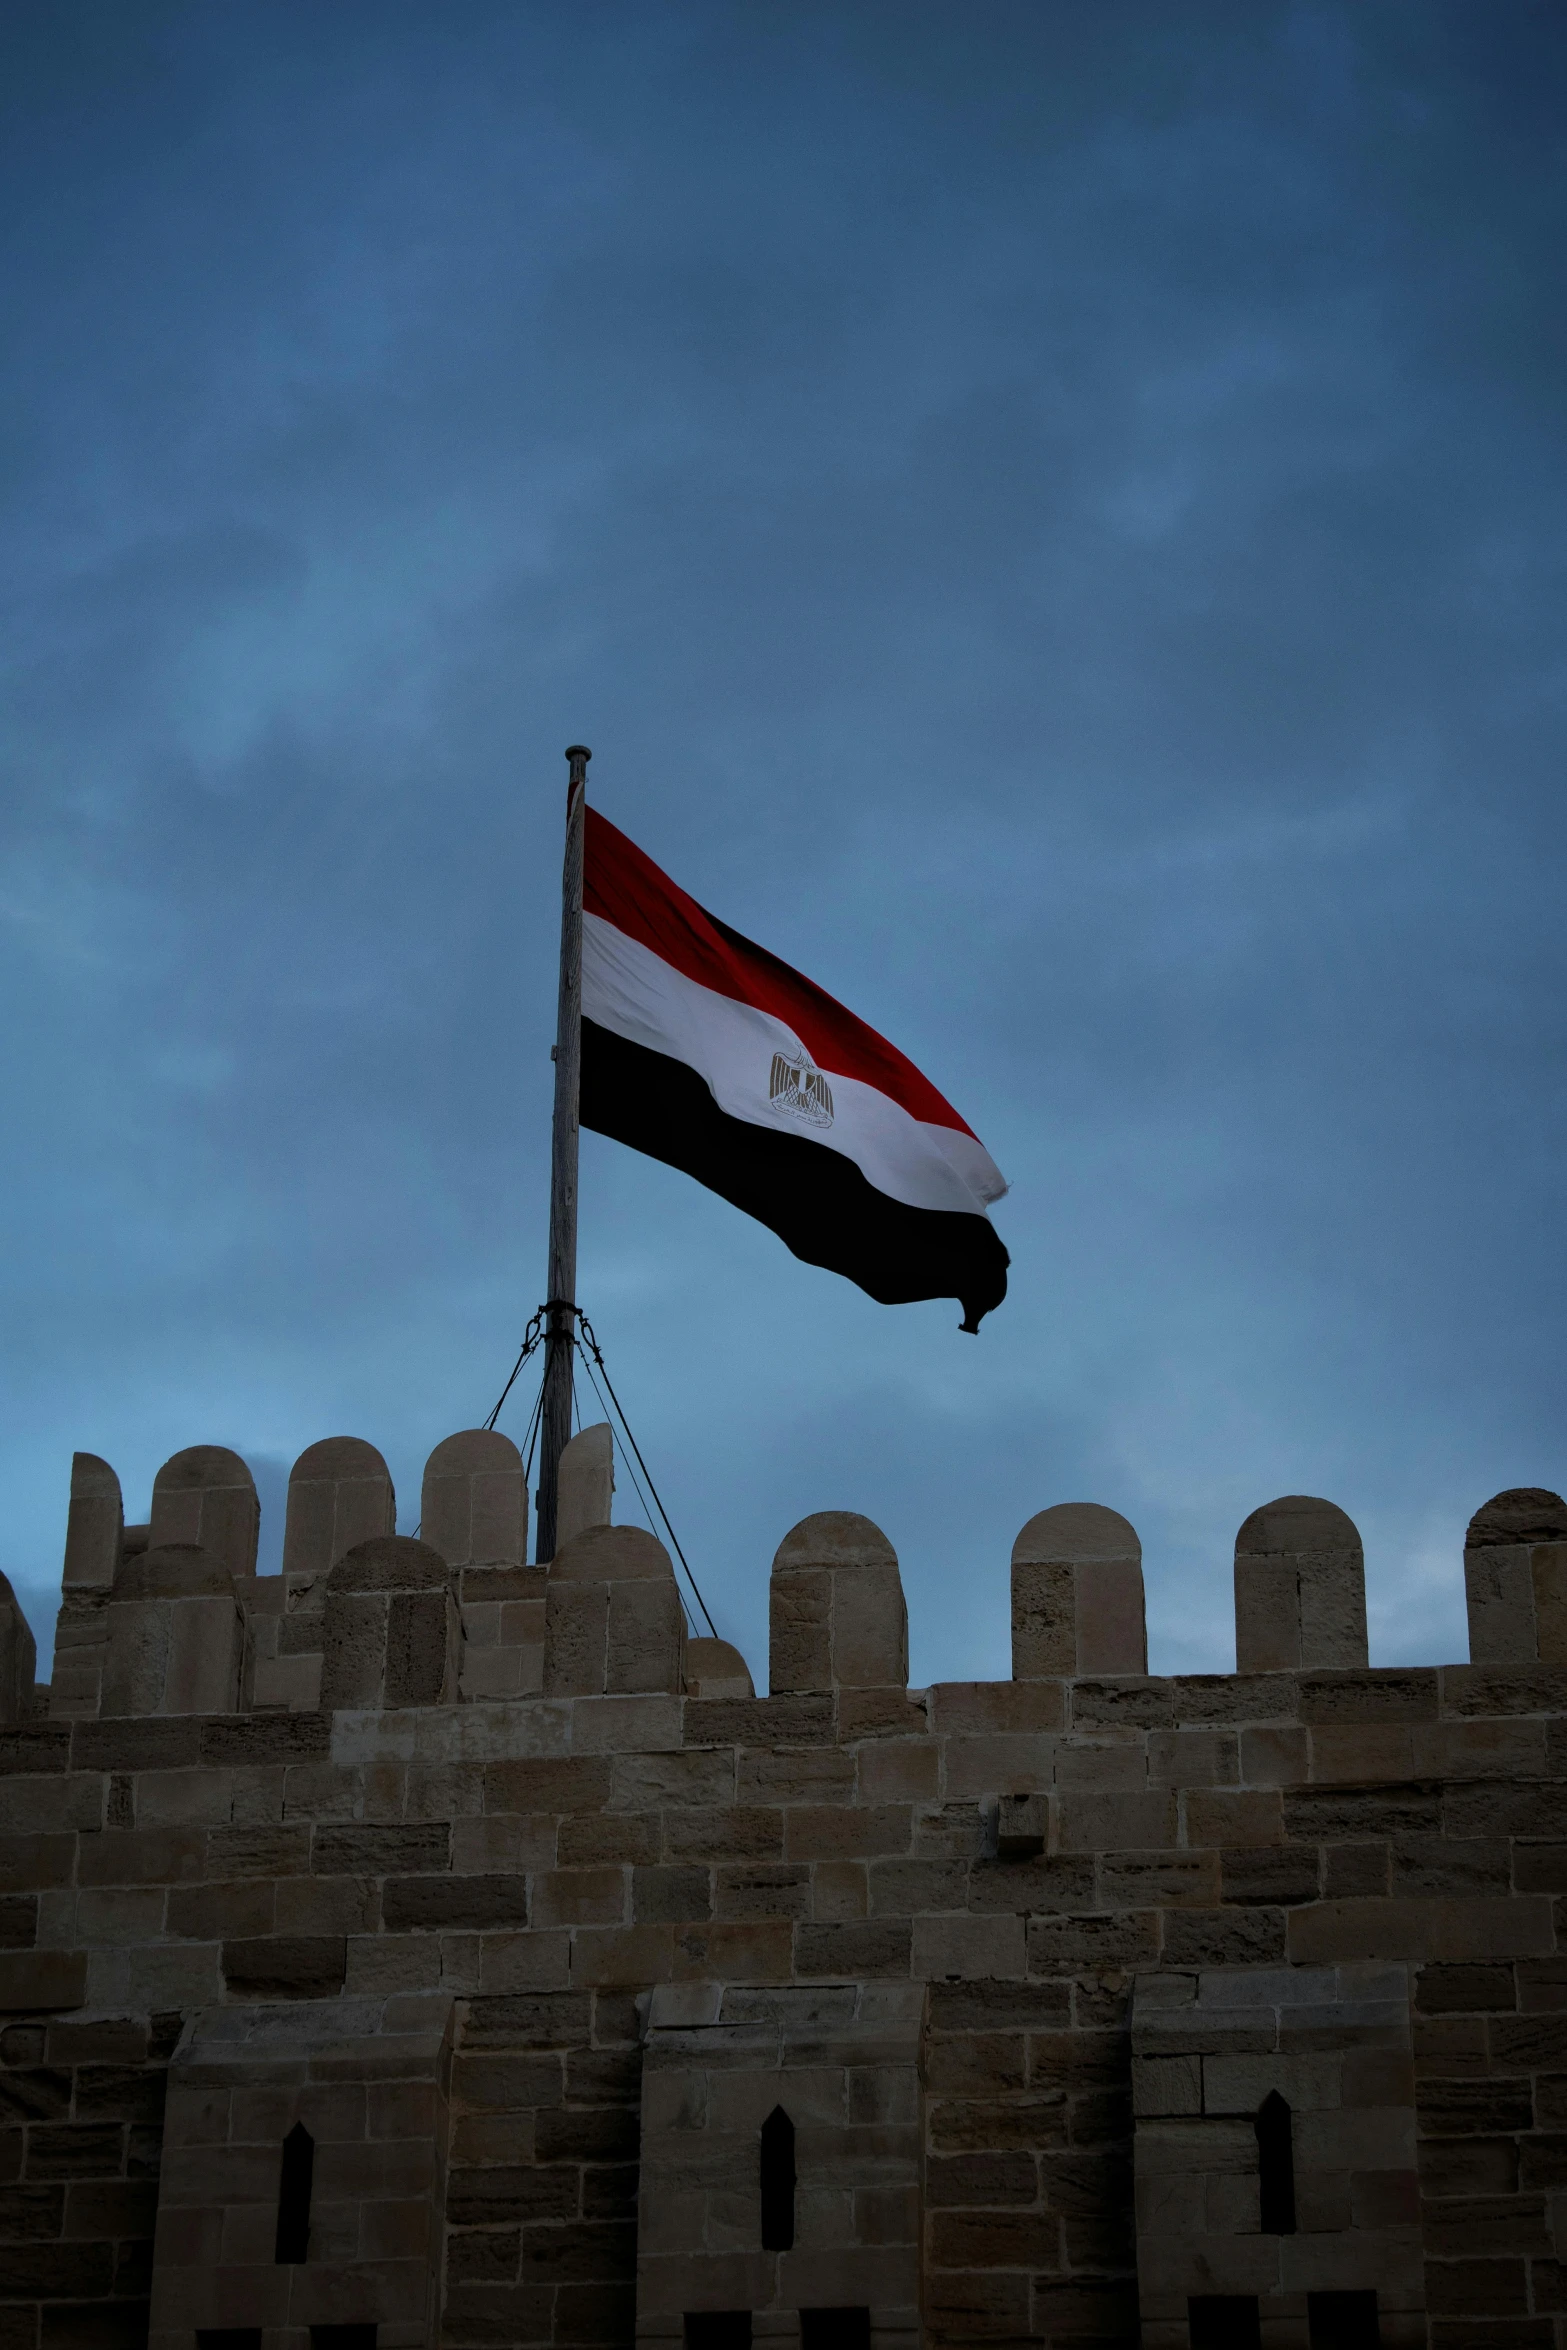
625 888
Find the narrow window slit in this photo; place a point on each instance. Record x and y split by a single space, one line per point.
1224 2321
293 2197
835 2329
717 2329
778 2182
1343 2321
1276 2166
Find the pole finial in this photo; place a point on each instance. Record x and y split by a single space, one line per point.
576 751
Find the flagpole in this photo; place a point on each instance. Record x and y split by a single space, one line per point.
561 1296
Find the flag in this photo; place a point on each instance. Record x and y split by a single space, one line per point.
704 1050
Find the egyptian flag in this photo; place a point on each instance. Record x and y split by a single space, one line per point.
707 1052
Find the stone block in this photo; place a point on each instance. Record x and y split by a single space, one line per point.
33 1981
1300 1588
18 1660
95 1526
960 1948
175 1636
614 1625
1515 1579
474 1502
715 1668
94 1546
586 1483
837 1618
392 1633
206 1497
1077 1595
339 1495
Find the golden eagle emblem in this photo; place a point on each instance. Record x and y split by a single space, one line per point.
799 1088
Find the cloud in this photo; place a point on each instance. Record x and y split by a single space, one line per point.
1050 519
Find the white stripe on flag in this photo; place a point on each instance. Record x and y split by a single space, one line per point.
636 994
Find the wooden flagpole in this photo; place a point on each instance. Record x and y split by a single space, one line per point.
560 1331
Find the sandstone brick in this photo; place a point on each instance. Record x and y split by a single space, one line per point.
1355 1753
327 1905
1490 2288
33 1862
783 1775
580 1897
741 1832
671 1895
1275 1755
38 1750
1114 1763
1480 1750
1274 1875
899 1771
551 1784
994 2239
1490 1810
1542 1984
1193 1758
804 1718
1229 1817
1224 1937
999 2006
1122 1704
978 2305
1419 1929
594 1839
1136 1880
1019 1765
1352 1872
498 1844
734 1951
1099 1823
208 1913
981 2181
41 1979
1314 1815
985 1708
629 1954
875 1948
902 1888
763 1889
643 1782
362 1851
1028 2123
840 1891
262 1739
968 1946
431 1904
892 1712
285 1967
846 1832
1129 1939
1466 2108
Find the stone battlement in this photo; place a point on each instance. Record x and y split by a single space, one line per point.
483 1901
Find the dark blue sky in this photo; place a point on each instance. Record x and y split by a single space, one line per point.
1050 516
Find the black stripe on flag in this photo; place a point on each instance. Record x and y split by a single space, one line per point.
818 1202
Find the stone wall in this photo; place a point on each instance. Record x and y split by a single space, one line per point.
436 1795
